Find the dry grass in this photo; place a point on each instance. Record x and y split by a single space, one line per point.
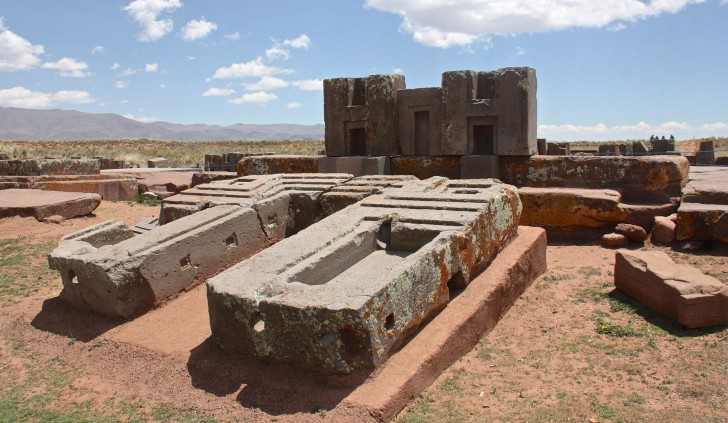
139 151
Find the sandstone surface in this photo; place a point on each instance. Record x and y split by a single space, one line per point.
42 204
678 291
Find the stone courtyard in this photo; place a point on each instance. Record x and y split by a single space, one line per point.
377 266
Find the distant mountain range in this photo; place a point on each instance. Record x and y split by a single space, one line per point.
67 125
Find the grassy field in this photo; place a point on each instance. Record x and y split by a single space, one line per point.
139 151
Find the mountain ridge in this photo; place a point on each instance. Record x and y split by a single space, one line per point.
72 125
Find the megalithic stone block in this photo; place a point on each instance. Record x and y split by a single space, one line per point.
341 295
104 271
134 275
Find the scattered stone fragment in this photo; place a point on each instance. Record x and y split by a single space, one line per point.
664 230
678 291
42 204
56 219
150 196
633 232
158 162
614 240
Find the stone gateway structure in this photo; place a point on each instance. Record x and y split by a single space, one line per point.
472 113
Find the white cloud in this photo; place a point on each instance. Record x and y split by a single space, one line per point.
218 92
616 27
191 57
73 97
124 101
293 105
151 68
520 51
309 84
143 119
98 50
233 37
121 84
25 98
449 23
302 41
600 131
146 14
398 71
127 72
196 30
115 66
265 83
260 97
253 68
68 67
17 53
278 50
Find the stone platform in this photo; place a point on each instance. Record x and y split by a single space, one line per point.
703 213
42 204
339 296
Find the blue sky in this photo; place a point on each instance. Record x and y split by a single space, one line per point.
611 69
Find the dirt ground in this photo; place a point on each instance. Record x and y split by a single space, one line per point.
571 348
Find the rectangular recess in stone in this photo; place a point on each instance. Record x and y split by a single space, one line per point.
341 295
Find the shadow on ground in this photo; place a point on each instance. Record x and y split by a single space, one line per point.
273 388
84 326
667 324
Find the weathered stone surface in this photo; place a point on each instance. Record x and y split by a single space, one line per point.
357 189
287 203
419 114
108 232
674 290
200 178
158 162
633 232
489 112
650 180
479 167
454 332
570 207
136 274
37 167
110 187
558 149
707 185
342 294
163 184
233 220
361 115
4 156
702 222
614 240
663 230
355 165
270 165
643 215
703 212
427 167
42 204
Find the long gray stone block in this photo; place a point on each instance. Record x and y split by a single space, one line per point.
341 295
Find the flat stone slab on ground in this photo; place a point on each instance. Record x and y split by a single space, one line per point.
42 204
674 290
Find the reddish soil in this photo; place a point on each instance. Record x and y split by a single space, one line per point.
542 351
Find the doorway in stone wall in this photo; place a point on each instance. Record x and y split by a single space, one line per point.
357 142
483 141
422 133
